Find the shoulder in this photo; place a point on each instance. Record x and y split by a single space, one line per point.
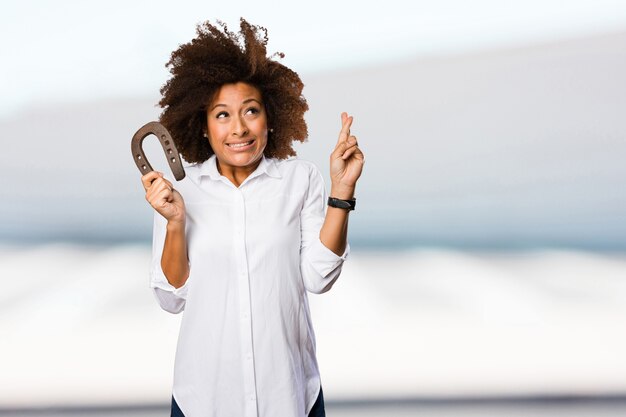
300 176
193 169
295 166
188 186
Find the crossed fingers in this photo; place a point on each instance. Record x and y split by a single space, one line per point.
347 143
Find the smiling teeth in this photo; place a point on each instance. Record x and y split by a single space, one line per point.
239 145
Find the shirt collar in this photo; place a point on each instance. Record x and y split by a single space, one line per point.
266 166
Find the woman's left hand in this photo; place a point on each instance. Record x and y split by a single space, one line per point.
346 161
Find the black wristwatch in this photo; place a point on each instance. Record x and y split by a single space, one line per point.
344 204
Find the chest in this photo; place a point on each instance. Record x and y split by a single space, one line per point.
266 222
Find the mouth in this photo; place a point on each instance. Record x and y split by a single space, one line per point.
241 146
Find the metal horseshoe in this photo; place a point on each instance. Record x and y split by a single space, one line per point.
171 153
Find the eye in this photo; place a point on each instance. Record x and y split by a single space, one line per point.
221 115
253 110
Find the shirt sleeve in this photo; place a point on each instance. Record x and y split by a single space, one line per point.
170 299
320 267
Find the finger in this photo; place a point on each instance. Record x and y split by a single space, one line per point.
339 150
158 184
146 180
343 145
345 127
156 187
155 197
168 194
349 152
169 184
358 155
163 196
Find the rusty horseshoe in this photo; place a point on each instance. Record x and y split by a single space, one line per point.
171 153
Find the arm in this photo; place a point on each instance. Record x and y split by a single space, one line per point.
320 266
170 266
325 246
174 260
346 165
334 233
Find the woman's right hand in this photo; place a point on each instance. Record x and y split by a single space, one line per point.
162 196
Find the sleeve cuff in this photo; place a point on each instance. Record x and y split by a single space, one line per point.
324 260
158 280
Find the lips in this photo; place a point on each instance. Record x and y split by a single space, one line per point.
240 146
235 144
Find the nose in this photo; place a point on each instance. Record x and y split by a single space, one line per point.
239 127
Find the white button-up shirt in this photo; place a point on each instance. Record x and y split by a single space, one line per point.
246 345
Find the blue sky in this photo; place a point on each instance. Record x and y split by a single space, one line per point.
78 51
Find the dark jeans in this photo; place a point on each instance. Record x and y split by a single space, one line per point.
316 411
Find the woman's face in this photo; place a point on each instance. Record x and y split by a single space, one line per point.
237 125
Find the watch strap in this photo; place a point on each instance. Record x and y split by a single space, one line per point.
344 204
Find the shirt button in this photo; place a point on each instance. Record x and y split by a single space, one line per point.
253 398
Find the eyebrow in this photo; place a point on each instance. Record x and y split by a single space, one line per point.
243 102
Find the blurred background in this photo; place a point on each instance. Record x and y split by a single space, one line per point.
488 264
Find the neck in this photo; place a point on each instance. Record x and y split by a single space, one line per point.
236 175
